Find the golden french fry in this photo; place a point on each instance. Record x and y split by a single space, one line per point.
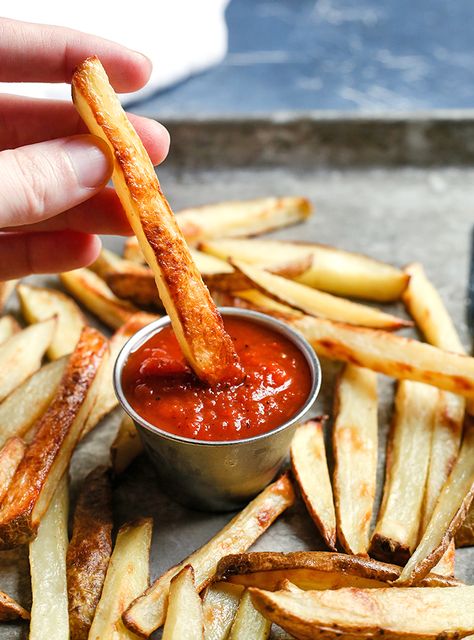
448 515
21 355
89 551
26 404
317 303
49 611
259 301
6 289
11 454
389 354
408 450
95 295
220 603
333 270
40 303
127 576
310 468
355 455
447 564
248 622
314 570
194 316
126 446
148 612
47 457
368 613
184 618
8 326
11 610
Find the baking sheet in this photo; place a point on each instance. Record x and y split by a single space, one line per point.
398 215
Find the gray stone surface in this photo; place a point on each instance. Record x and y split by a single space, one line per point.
397 215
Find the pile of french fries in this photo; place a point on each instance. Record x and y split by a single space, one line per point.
56 386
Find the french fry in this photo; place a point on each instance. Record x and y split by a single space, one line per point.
184 618
310 468
220 603
248 622
355 453
110 262
408 450
314 570
11 610
465 535
58 431
258 300
7 287
432 318
21 355
49 611
27 403
446 565
148 612
318 303
333 270
126 446
106 399
369 613
450 511
40 303
132 251
386 353
127 576
89 551
11 454
95 295
194 316
8 326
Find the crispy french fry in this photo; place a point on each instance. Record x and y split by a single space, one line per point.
11 610
310 468
49 612
314 570
95 295
56 436
408 450
465 535
11 454
446 565
194 316
27 403
8 326
368 613
386 353
127 576
355 454
248 622
450 511
89 551
6 289
40 303
21 355
106 399
148 612
333 270
184 618
126 446
318 303
219 604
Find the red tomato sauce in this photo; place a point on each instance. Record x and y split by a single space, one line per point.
161 387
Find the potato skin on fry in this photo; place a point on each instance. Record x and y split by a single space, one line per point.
89 551
10 609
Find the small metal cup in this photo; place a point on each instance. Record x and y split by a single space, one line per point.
221 475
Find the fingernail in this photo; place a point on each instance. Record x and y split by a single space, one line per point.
91 160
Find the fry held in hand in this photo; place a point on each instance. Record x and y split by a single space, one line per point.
355 453
148 612
57 433
194 316
184 617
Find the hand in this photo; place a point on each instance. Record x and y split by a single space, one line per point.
53 197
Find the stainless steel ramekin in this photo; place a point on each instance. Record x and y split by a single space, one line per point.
222 475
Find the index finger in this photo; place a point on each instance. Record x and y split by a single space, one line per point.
43 53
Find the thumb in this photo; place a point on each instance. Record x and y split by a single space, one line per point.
41 180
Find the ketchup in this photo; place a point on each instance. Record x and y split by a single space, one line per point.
161 387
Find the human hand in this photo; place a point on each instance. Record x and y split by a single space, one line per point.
53 197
